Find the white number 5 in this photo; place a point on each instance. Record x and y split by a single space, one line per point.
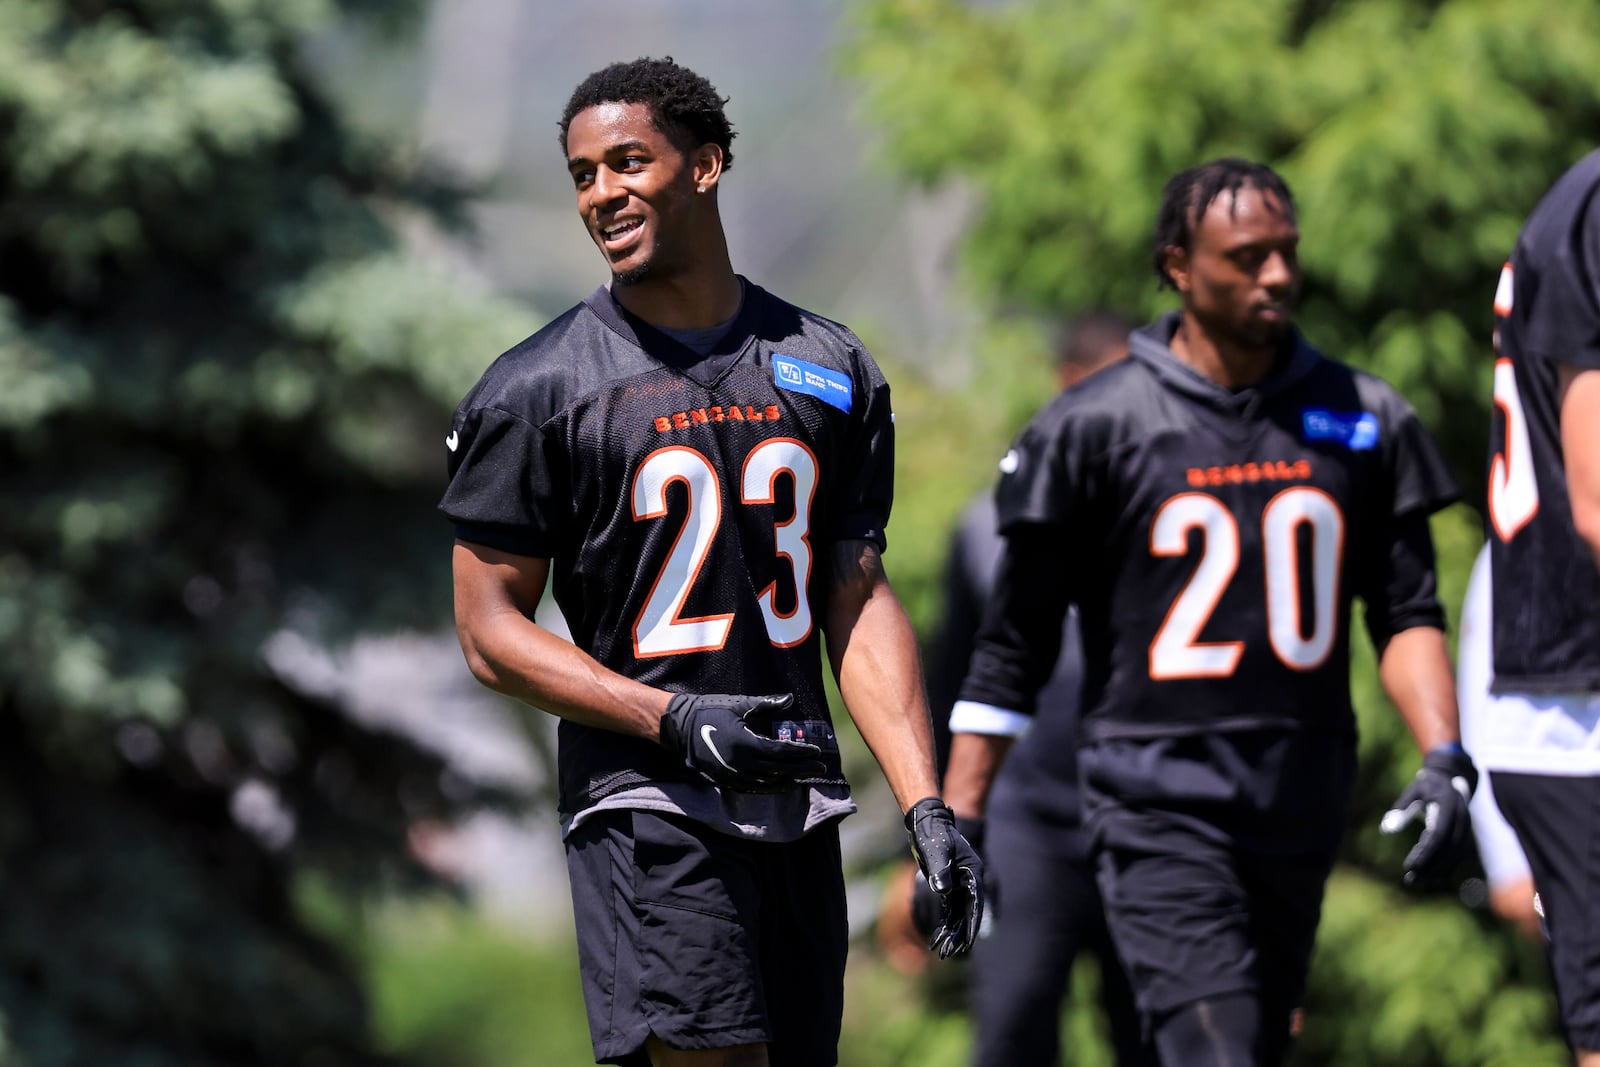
1513 491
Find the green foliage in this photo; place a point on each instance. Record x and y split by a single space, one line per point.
1411 984
223 377
451 990
947 445
1415 134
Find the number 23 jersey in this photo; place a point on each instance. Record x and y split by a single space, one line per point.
683 501
1214 539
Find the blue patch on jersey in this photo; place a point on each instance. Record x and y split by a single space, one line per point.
1356 430
798 376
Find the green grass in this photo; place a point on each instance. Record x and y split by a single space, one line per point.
452 990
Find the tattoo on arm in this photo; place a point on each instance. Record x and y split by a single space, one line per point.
855 564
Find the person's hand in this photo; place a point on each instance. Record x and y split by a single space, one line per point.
953 874
927 908
1438 795
711 732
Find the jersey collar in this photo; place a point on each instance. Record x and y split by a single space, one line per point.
667 349
1151 345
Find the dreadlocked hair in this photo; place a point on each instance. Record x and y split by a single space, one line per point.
1190 192
683 105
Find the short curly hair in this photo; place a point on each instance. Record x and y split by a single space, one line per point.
1190 192
683 105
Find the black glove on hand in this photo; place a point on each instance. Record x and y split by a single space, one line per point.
711 732
1438 795
952 871
927 909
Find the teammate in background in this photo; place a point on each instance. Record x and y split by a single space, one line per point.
1036 853
1540 738
1212 505
1511 891
705 472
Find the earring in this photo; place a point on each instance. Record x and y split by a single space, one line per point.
700 189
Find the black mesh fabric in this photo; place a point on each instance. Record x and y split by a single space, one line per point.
686 504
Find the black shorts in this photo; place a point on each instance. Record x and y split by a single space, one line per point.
708 940
1557 820
1193 917
1046 909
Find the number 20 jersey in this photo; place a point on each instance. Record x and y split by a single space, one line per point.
685 502
1214 539
1546 589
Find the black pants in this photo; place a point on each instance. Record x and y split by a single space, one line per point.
1194 919
1048 911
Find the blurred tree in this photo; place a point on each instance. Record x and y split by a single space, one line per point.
1416 134
223 381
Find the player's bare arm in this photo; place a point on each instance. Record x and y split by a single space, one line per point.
975 760
1415 670
1580 446
496 594
873 651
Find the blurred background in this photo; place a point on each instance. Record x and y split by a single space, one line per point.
253 810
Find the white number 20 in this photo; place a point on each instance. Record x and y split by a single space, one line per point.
1176 651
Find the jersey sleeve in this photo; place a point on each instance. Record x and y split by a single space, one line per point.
1395 574
1400 586
1420 478
1020 637
861 510
502 491
1043 479
1038 482
1560 321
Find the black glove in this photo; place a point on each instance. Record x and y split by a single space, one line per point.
927 909
712 733
953 872
1438 795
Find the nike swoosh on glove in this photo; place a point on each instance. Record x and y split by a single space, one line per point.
952 870
1438 795
711 732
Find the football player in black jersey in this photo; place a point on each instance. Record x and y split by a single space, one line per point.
1540 735
704 473
1212 505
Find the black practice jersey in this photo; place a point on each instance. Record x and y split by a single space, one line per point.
683 501
1213 541
1546 589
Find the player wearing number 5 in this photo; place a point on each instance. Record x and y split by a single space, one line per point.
1541 727
1212 505
705 472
